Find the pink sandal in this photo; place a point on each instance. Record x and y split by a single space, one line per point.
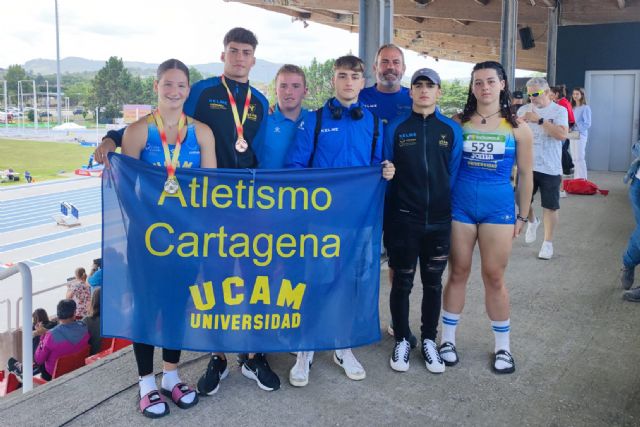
179 391
150 399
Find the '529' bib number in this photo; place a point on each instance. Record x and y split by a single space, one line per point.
482 147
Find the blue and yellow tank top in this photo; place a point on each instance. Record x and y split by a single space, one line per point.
488 156
154 154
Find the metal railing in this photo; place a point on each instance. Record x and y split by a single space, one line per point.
8 302
42 291
27 343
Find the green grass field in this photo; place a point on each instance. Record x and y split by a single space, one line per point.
43 159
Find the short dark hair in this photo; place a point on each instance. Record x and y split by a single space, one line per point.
66 309
171 64
240 35
350 62
292 69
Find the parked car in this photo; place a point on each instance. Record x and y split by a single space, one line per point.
78 110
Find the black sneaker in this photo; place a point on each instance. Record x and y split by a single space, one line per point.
258 369
627 278
209 382
15 368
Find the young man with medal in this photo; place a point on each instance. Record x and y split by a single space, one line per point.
343 133
236 113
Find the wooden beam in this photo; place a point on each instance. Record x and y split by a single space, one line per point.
444 26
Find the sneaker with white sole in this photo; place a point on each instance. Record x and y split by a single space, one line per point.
532 228
563 194
400 357
299 374
258 369
546 251
413 341
352 368
432 358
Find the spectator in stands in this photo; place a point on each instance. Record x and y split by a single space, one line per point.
41 324
93 322
80 291
70 336
95 278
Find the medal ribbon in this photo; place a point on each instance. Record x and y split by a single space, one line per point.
234 108
170 162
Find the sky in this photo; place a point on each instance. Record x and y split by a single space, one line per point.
190 30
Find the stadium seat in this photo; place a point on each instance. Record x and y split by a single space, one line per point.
114 344
8 383
66 364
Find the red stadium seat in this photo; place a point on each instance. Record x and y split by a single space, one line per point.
115 345
66 364
8 383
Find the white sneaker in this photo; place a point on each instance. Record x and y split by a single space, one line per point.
546 251
563 194
299 374
532 228
400 357
432 357
352 368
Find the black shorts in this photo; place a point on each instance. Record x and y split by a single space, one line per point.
549 189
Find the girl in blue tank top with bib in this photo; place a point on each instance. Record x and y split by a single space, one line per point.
483 208
171 140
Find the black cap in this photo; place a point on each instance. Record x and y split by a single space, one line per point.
426 73
518 95
66 309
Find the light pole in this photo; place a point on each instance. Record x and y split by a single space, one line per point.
58 67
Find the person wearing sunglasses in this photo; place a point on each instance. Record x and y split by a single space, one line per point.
550 125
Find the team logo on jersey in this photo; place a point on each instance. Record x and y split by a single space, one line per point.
407 139
251 115
276 129
218 104
443 143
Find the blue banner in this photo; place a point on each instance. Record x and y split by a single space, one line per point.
241 260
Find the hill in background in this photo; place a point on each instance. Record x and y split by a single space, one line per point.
263 71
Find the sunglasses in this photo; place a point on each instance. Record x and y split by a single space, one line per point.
536 94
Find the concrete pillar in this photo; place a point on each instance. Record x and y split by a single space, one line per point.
370 35
508 38
552 44
387 22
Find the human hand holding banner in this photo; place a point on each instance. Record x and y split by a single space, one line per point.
242 260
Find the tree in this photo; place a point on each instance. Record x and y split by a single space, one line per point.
454 96
111 88
318 77
194 76
12 76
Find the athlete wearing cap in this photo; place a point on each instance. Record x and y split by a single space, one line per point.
426 148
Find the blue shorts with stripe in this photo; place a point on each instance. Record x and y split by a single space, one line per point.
477 202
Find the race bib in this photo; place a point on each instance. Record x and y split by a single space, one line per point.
483 150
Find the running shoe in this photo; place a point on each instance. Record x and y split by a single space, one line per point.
258 369
209 382
532 228
546 251
627 278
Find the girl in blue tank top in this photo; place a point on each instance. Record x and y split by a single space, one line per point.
158 139
483 208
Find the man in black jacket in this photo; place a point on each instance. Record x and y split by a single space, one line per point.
426 148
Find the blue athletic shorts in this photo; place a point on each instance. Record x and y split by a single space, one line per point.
477 202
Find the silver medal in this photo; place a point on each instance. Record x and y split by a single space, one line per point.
171 186
241 145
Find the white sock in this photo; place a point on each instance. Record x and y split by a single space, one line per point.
148 384
501 330
170 379
449 324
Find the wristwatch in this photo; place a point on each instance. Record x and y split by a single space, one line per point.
541 121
